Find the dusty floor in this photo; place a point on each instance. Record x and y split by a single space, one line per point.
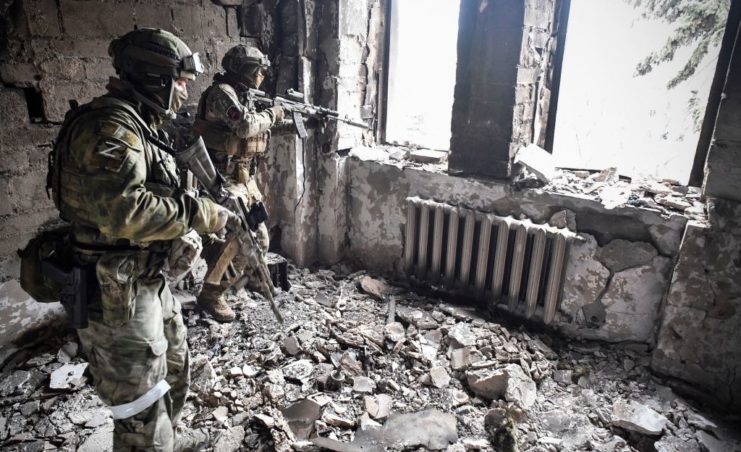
440 377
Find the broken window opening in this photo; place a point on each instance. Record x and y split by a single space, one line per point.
608 116
422 42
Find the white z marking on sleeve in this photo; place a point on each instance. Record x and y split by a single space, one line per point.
108 152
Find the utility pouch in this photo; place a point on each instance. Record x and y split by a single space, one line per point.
49 273
117 273
75 282
52 245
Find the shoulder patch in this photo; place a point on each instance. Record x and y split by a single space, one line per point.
234 113
112 132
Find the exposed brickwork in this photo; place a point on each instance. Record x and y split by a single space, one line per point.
502 84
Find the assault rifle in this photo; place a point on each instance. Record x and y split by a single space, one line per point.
294 103
240 240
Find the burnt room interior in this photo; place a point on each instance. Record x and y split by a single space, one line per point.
478 294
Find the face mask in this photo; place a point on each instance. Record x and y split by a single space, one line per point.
258 79
178 99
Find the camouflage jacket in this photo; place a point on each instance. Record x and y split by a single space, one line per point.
233 130
114 185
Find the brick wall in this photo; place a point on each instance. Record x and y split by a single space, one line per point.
505 50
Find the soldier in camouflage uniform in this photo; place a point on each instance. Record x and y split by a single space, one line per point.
235 134
119 190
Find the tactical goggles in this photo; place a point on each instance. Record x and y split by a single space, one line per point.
192 64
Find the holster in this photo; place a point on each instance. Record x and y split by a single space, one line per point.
77 289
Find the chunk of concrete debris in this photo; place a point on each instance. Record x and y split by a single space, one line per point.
608 175
394 331
564 219
299 370
265 420
423 320
363 384
11 383
439 377
230 440
565 376
378 407
69 376
461 358
461 335
429 429
459 397
620 254
250 371
301 417
221 414
235 372
204 376
67 352
337 421
427 156
538 161
509 382
675 202
637 417
375 287
291 345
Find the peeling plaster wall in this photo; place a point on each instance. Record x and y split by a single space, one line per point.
51 52
621 270
336 57
723 165
700 338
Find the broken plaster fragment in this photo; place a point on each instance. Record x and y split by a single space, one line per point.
68 376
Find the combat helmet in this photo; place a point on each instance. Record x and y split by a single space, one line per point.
151 60
243 62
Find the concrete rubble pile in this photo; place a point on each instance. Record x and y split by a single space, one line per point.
664 196
345 374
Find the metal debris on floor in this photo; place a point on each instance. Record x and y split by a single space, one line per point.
345 373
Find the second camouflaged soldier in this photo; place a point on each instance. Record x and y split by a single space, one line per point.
119 190
235 134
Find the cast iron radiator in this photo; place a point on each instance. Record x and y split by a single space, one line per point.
500 260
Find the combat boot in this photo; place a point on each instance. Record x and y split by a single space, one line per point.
191 440
212 300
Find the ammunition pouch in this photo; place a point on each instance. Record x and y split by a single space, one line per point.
50 273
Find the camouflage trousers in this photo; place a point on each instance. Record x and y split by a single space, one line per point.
250 194
128 361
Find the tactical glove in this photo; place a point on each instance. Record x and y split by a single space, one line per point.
278 113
